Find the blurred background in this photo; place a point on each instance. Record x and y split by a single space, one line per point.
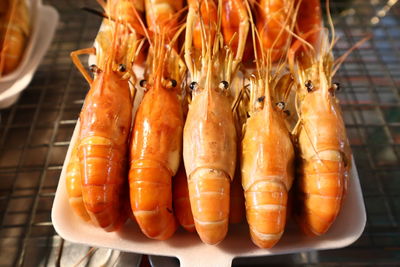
35 134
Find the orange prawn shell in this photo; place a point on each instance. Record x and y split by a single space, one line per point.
105 124
107 109
157 131
211 118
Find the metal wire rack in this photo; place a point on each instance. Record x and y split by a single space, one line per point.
35 134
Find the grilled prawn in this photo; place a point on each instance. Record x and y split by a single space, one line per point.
267 162
324 151
156 141
209 140
210 155
103 137
14 33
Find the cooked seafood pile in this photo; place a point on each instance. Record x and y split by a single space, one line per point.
238 118
14 33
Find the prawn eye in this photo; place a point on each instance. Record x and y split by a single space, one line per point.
336 86
121 68
94 69
309 86
287 112
281 105
193 86
223 85
143 83
173 83
170 83
261 99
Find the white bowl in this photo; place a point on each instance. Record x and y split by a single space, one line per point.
43 24
188 248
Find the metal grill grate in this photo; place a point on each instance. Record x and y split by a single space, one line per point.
35 133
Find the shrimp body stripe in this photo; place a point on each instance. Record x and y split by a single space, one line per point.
205 223
266 237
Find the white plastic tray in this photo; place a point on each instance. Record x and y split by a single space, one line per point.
43 24
188 248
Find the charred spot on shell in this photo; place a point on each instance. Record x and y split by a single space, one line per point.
193 86
121 68
223 85
94 69
261 99
309 85
281 105
287 112
143 83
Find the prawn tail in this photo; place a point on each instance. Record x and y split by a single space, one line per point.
266 206
151 198
103 195
209 191
320 190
